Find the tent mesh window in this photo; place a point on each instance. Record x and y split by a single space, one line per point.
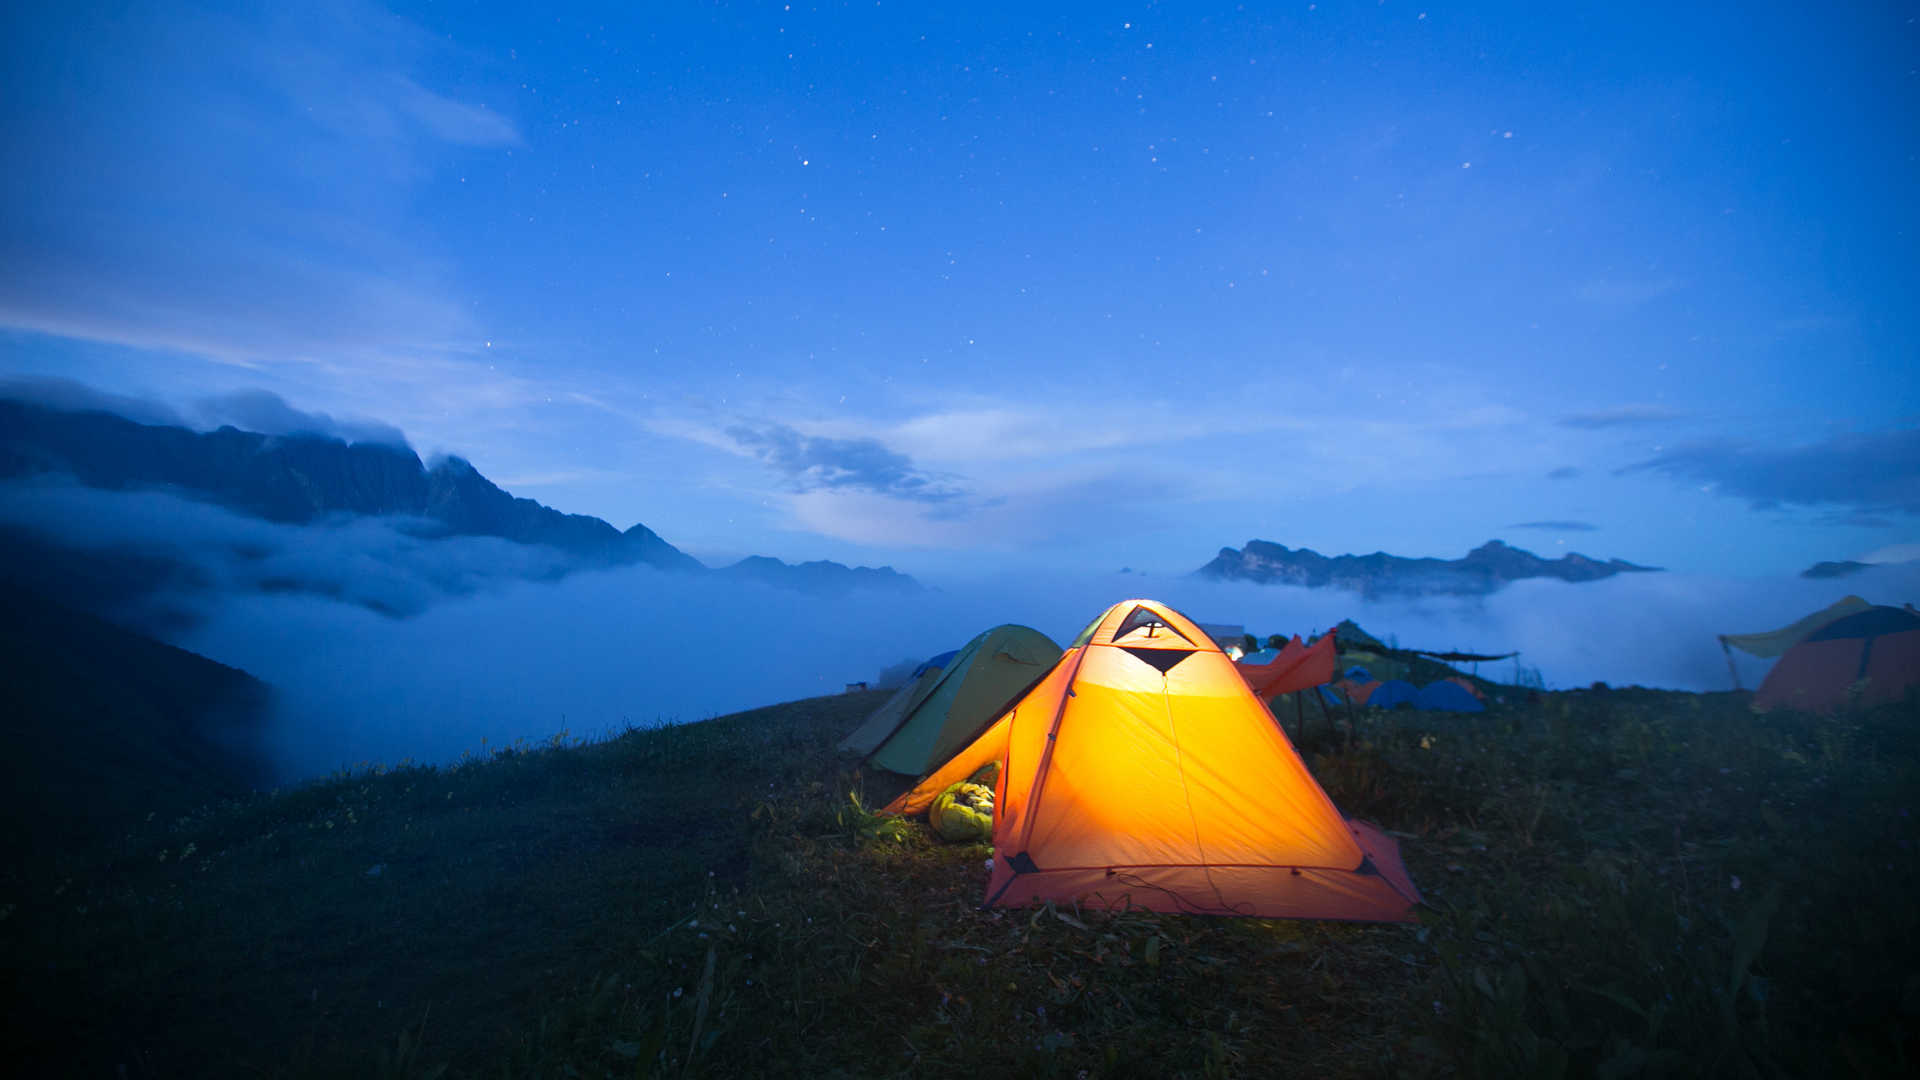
1140 618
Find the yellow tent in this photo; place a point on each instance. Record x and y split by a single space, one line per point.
1141 771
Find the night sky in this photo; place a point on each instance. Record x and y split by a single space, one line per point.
1048 286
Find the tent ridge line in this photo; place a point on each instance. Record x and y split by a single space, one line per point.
1032 809
1009 706
907 715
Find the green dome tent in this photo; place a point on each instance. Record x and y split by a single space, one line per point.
887 719
931 718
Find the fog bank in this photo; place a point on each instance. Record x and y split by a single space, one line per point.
384 644
596 652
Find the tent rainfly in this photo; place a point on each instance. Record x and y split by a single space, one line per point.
1142 772
938 712
1772 643
1293 668
1869 657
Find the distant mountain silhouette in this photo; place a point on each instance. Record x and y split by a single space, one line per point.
1484 569
302 479
1846 568
820 576
103 726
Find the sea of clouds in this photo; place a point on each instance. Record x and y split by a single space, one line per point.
385 645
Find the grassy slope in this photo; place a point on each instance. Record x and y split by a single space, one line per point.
708 900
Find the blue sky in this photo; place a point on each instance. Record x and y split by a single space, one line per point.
978 286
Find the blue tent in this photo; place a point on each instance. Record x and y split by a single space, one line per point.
1358 674
1393 692
937 663
1448 696
1264 656
1331 696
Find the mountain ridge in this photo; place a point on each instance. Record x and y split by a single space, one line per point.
304 478
1485 569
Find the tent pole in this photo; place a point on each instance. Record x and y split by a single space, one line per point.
1299 715
1731 670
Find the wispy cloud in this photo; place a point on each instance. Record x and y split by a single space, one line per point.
1857 519
1564 472
1868 473
269 414
1557 526
454 121
249 189
1634 415
1893 553
817 463
66 395
1027 511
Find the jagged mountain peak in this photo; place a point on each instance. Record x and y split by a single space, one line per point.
300 477
1482 570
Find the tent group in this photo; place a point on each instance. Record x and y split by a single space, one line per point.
1443 695
1137 769
1848 652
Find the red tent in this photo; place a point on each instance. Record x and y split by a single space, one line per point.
1298 667
1874 654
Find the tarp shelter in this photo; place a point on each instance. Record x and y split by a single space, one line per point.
1143 772
948 706
1871 656
1447 695
1296 667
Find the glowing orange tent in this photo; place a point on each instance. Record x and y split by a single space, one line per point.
1142 771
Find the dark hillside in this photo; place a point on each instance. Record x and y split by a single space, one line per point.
104 726
1619 883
